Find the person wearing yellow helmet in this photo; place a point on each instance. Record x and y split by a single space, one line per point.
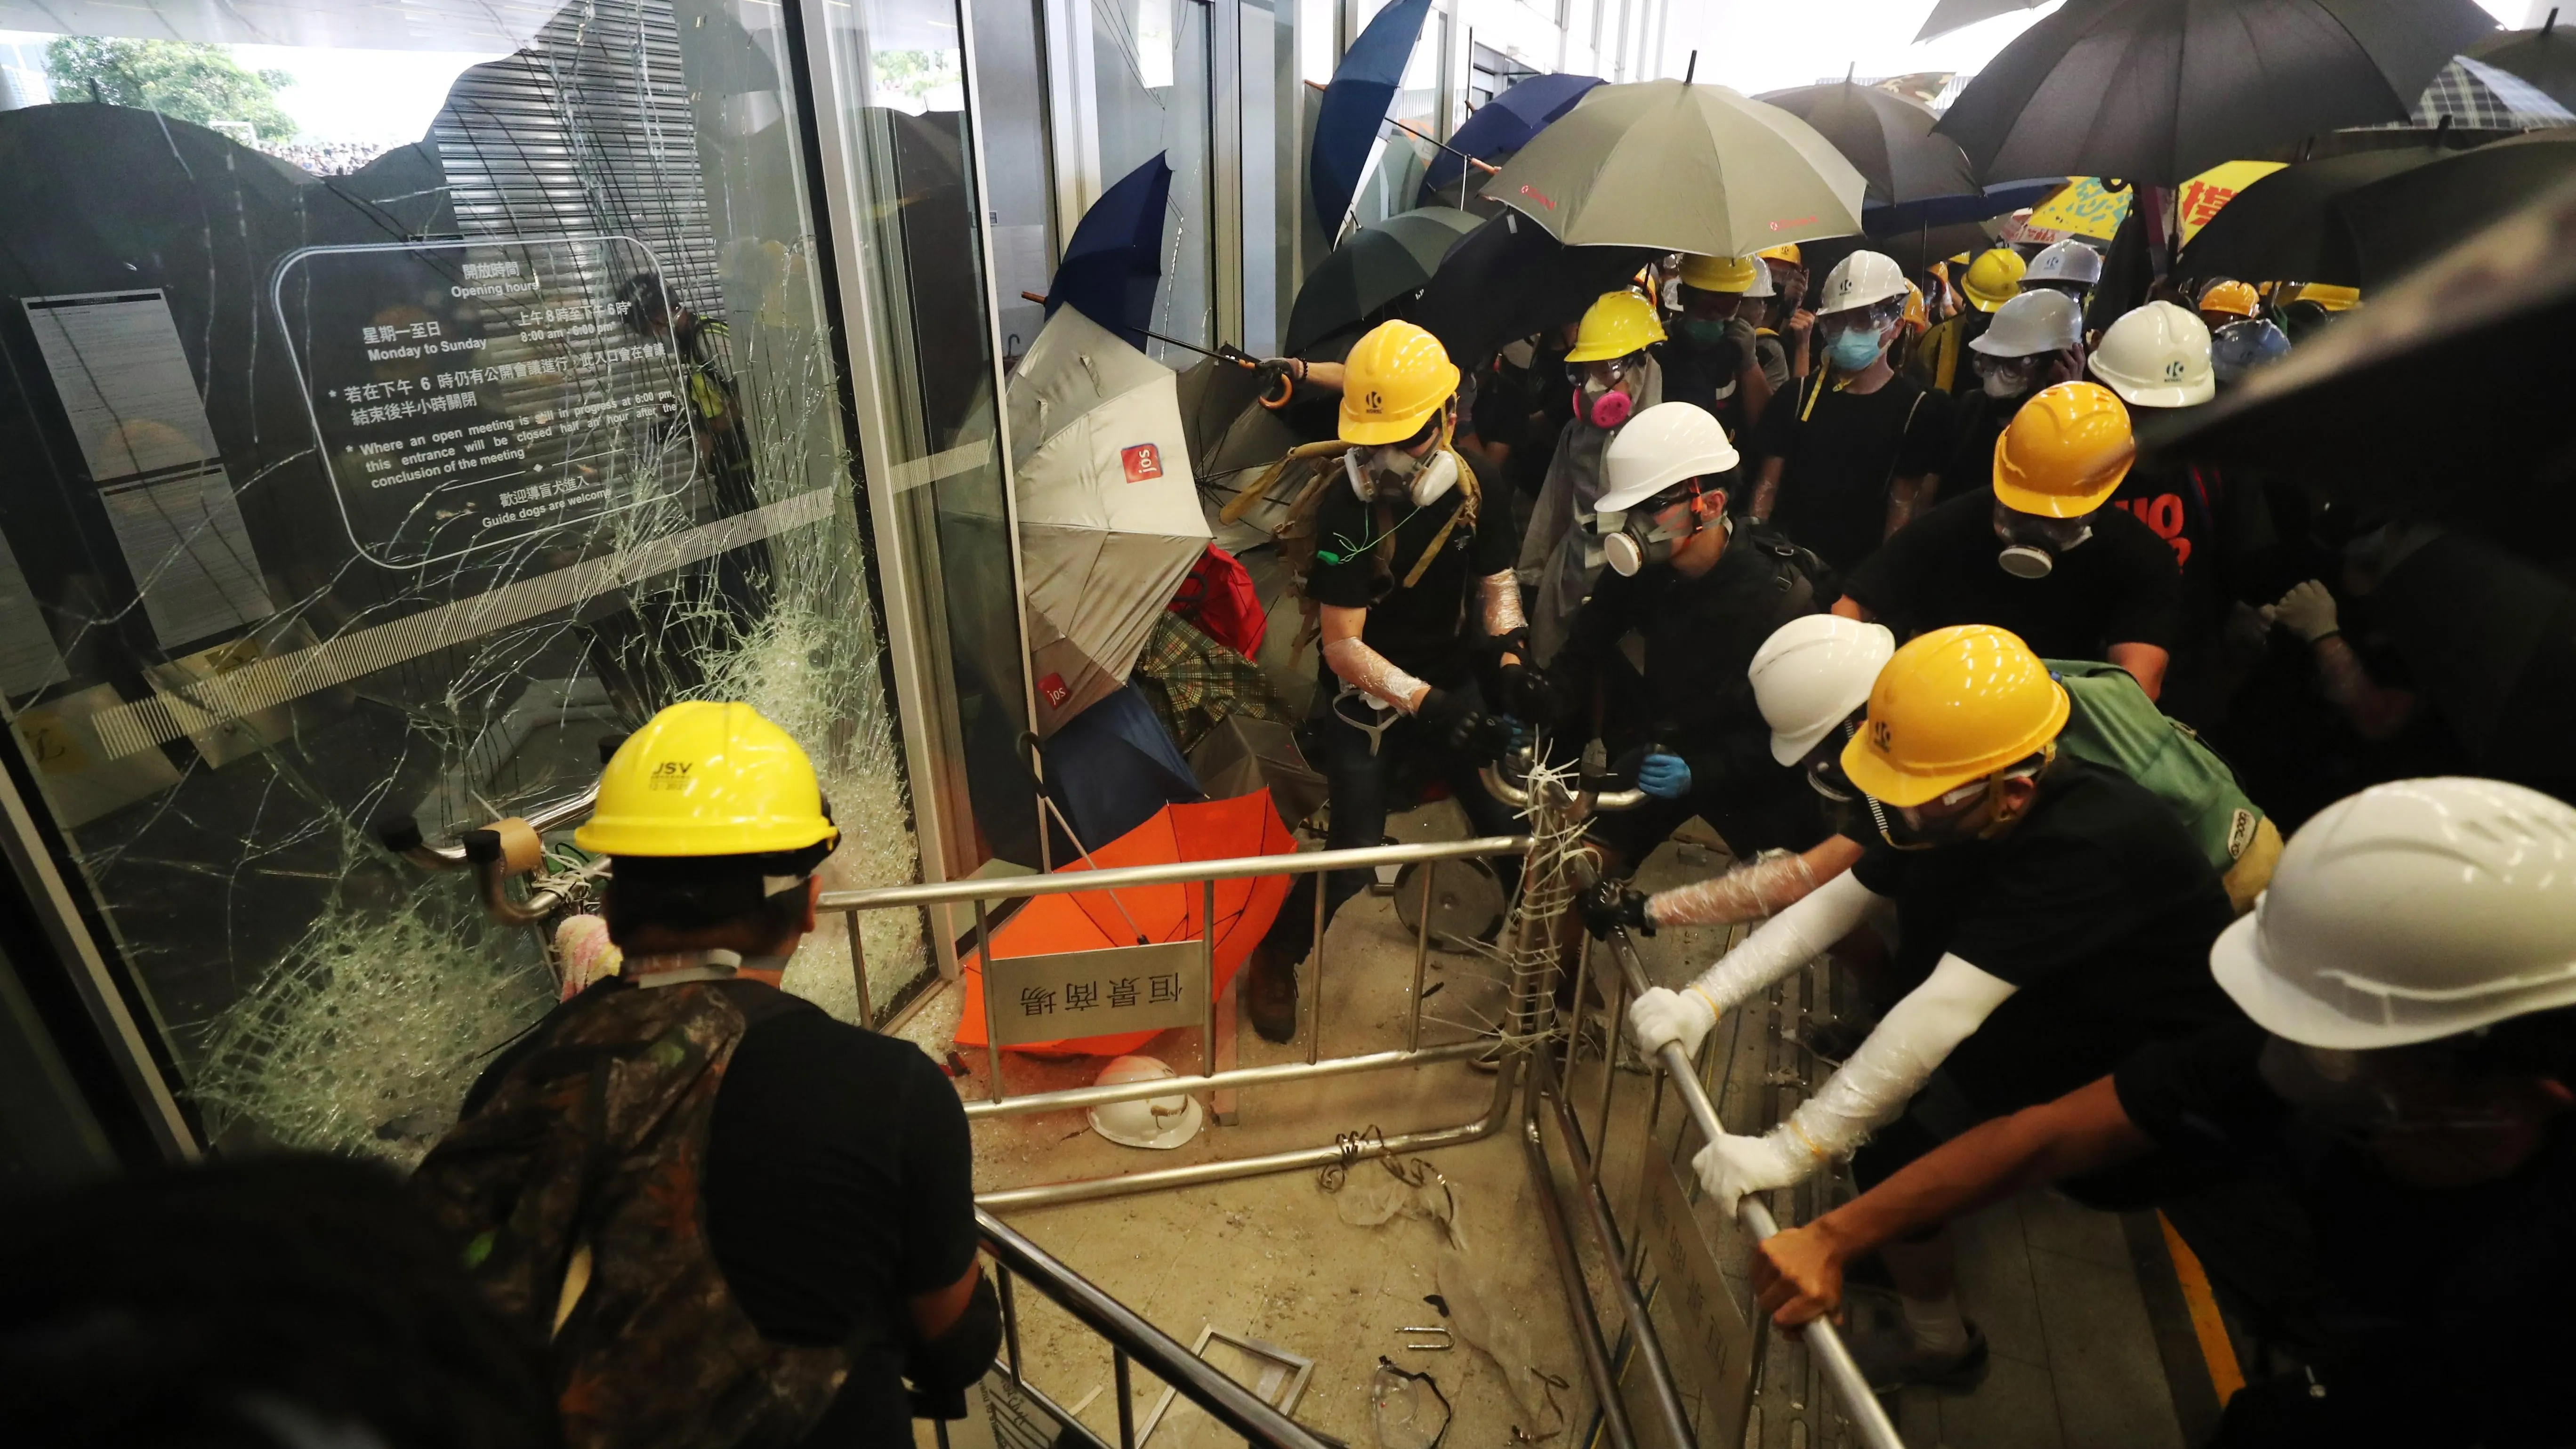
1411 584
808 1225
2040 552
1716 359
2226 300
1612 374
1993 279
2056 916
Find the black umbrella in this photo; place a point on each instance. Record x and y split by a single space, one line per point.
2159 90
2543 57
1509 279
2377 227
1374 266
1886 137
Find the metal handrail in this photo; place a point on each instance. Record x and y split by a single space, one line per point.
1869 1417
1179 872
1131 1338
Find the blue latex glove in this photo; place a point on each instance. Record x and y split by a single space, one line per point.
1666 777
1516 735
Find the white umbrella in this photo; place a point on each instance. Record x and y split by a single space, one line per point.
1109 516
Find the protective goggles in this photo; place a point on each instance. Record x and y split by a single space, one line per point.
1605 372
1863 319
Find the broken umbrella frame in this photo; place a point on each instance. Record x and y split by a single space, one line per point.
502 850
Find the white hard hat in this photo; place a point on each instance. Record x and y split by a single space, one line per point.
1811 674
1658 448
2065 261
1858 280
1162 1122
2411 911
2156 357
2032 323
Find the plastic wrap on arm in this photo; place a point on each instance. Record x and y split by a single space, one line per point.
1501 596
1356 664
1765 885
1788 941
1917 1035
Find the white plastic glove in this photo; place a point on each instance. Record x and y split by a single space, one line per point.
2307 610
1660 1017
1732 1166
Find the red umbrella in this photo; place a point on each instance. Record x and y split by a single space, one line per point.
1094 920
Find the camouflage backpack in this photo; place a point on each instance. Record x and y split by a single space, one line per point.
575 1190
1295 529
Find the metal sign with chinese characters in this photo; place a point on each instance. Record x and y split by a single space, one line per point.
1702 1325
1097 993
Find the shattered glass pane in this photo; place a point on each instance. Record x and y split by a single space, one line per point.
363 482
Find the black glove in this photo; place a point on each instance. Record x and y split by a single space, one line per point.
1530 696
1450 720
1741 342
1609 904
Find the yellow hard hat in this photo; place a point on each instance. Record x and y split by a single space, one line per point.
1614 326
1951 707
1396 376
708 779
1720 274
1993 279
2330 296
2236 299
1784 252
2065 452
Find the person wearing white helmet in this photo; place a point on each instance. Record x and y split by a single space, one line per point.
1848 455
2406 1067
1702 593
2036 340
2069 267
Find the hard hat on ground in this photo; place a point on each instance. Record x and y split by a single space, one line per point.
1993 278
1811 674
2063 455
1859 280
1395 377
2330 296
1785 252
2244 345
2030 324
709 779
1658 448
2232 297
2411 911
1744 275
1158 1122
2156 357
1952 707
2070 262
1615 325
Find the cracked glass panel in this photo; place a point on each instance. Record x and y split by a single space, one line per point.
373 459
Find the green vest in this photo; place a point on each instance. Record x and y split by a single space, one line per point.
2113 724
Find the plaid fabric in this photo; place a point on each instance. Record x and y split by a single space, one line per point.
1192 681
2479 97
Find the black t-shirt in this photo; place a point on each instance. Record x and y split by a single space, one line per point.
2447 1308
1976 420
1700 636
838 1183
1840 450
2098 905
1418 629
2118 587
1711 378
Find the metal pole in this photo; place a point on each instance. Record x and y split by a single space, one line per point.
1315 987
1126 1400
1010 1317
1868 1416
1207 959
859 975
992 1012
1599 1146
1578 1291
1421 956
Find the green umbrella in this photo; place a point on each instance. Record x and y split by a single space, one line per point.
1681 168
1378 264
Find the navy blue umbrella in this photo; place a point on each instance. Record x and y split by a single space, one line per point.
1354 106
1505 125
1930 211
1114 262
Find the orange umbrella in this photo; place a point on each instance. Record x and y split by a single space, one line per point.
1093 920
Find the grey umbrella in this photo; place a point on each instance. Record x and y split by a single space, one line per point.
1887 137
1681 168
1952 15
2543 57
2159 90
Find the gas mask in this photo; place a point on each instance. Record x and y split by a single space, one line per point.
1391 472
1941 820
1520 353
1641 536
2032 543
2006 377
1598 400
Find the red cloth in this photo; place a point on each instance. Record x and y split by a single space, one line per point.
1218 597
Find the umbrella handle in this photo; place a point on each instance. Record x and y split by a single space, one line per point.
1287 390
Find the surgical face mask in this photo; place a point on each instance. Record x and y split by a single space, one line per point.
2006 377
1703 331
1855 350
1643 536
2032 543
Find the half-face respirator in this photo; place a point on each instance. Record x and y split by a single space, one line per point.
2032 543
1598 400
1645 535
1391 471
